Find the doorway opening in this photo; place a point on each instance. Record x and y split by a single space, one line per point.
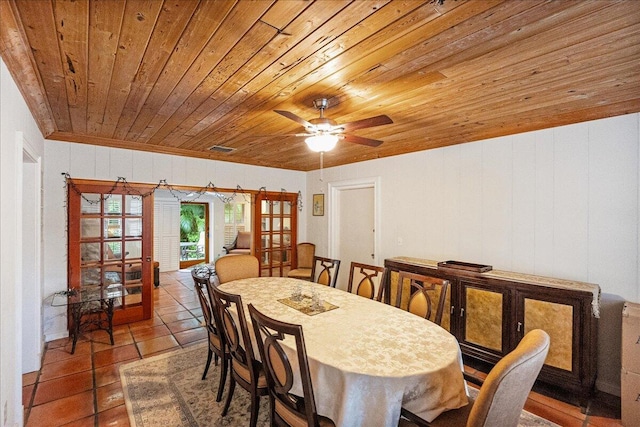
354 223
194 233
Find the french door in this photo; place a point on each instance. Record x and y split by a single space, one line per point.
275 232
110 232
194 233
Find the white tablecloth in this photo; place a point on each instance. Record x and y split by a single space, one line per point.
367 359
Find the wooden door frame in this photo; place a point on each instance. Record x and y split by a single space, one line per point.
334 189
145 310
257 226
186 264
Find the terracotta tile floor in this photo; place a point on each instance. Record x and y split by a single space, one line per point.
84 389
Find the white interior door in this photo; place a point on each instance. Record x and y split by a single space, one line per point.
166 239
353 225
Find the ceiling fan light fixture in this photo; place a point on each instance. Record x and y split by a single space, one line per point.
321 143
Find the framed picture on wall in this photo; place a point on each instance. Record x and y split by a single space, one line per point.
318 204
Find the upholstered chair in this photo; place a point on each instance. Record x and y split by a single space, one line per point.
245 369
325 271
366 280
305 253
217 347
427 295
234 267
287 409
503 393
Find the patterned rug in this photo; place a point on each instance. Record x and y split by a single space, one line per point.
167 390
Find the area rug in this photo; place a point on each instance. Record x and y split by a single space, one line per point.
167 390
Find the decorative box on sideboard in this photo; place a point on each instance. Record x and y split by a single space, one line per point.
491 310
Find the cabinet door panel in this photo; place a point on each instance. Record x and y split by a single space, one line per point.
557 320
483 317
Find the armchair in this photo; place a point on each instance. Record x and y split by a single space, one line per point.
241 244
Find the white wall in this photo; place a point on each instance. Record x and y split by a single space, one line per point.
16 127
561 202
83 161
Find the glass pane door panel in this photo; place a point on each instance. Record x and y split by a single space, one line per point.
89 252
276 224
266 241
133 227
286 224
286 208
276 208
113 205
112 250
265 207
483 318
90 203
133 249
112 274
90 276
133 205
112 228
90 228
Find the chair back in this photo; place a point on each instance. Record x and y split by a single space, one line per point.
234 267
325 271
305 253
427 295
286 408
505 390
236 335
243 240
201 284
367 279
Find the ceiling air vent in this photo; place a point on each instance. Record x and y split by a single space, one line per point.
221 149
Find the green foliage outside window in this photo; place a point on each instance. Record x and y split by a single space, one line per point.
191 222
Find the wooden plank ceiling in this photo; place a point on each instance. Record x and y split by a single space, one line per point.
182 76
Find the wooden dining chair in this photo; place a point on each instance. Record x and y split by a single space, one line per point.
304 253
287 409
325 271
370 279
424 293
217 347
504 392
245 369
234 267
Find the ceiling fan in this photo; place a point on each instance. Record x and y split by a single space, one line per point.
323 133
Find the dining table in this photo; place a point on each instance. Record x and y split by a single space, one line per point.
367 359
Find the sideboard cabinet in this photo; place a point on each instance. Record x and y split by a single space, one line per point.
489 313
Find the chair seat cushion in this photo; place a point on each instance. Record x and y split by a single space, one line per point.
295 420
243 373
300 273
453 418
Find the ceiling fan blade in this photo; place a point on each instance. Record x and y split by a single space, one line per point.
289 115
366 123
362 141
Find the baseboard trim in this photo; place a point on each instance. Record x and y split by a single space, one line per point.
609 388
56 336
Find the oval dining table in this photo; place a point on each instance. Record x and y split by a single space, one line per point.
367 359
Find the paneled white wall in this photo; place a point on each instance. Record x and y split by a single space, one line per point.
561 202
84 161
18 131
